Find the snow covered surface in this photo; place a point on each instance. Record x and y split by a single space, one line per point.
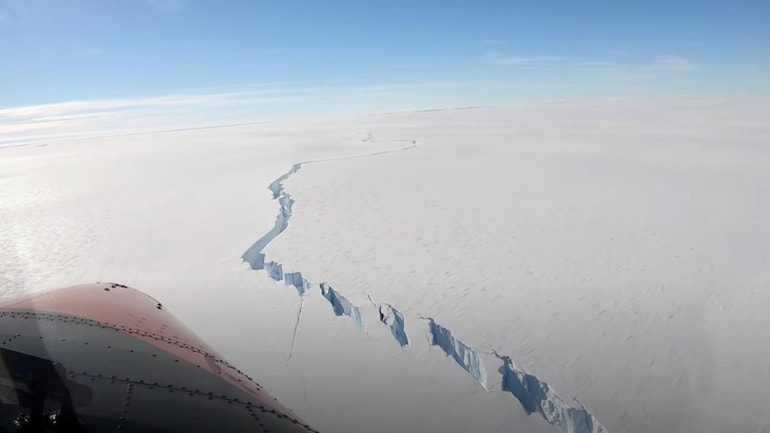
616 251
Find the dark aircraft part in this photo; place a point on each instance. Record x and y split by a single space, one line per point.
107 358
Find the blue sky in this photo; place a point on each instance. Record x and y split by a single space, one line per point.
256 57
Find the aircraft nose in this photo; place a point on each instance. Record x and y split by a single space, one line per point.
106 357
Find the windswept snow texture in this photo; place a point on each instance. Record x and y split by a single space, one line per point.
395 320
463 354
342 307
536 396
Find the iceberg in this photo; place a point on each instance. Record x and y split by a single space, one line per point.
537 396
341 306
464 355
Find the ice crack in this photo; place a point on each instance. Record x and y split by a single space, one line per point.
534 395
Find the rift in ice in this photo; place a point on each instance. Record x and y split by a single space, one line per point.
534 395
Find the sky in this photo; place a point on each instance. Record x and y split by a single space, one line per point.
110 62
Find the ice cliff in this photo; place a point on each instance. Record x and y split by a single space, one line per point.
341 306
395 320
464 355
536 396
254 255
295 279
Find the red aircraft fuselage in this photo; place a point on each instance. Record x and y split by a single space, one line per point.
105 357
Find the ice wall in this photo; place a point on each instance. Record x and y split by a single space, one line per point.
464 355
295 279
537 396
395 320
341 306
274 271
254 255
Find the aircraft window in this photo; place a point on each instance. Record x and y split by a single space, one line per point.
36 397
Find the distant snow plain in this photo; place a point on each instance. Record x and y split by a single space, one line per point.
618 250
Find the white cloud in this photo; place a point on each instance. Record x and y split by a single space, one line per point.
493 42
167 6
669 64
238 105
654 68
87 52
31 113
410 66
86 118
614 52
506 60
